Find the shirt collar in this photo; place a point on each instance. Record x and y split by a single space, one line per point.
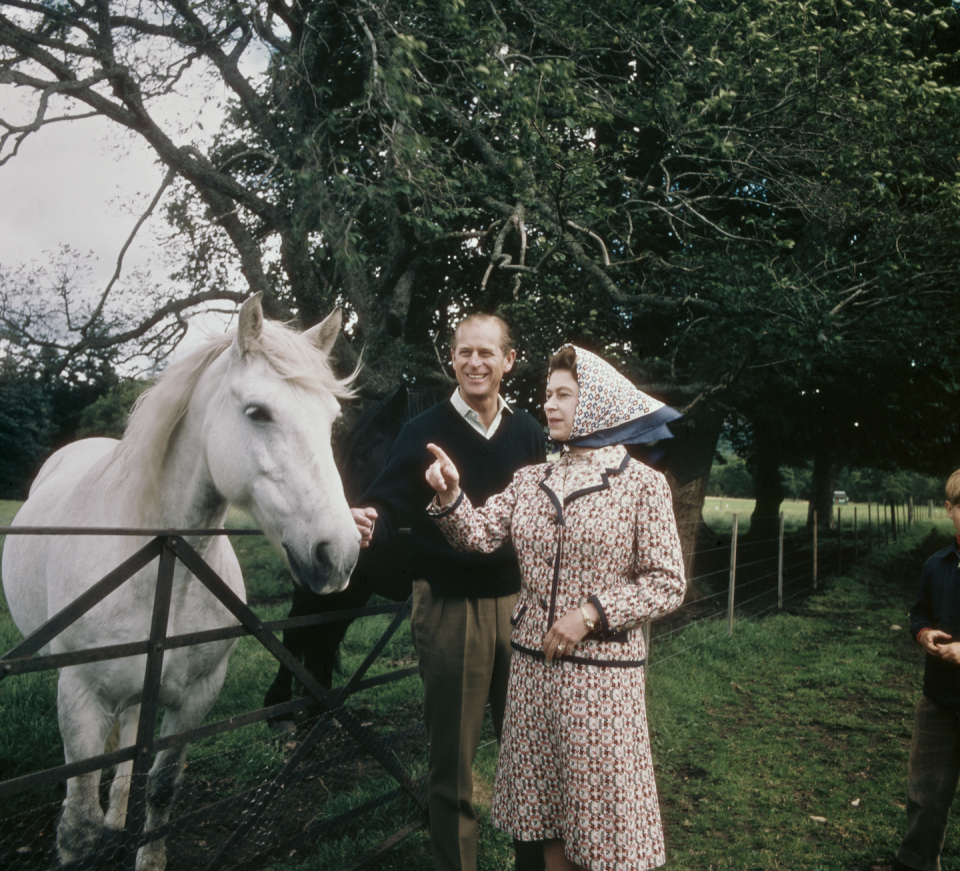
468 414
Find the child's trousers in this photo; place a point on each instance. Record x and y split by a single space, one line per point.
932 775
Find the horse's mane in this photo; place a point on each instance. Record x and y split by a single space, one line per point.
158 412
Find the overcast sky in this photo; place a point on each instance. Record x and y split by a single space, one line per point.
72 183
86 183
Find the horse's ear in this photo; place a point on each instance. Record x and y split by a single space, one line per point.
324 334
250 324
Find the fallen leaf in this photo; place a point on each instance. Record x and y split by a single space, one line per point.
856 802
895 628
819 819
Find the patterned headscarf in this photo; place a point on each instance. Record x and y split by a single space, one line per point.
611 411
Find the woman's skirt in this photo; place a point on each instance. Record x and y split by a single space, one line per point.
575 764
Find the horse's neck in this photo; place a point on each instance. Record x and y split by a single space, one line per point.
187 497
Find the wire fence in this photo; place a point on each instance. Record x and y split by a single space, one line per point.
779 571
250 797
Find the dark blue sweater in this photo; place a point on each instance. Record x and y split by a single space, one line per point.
938 607
486 466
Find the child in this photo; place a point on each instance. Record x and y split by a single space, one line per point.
934 766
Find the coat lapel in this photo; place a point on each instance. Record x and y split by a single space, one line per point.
590 478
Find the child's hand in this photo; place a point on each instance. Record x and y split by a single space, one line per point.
934 641
950 652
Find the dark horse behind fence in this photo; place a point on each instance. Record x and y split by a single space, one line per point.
361 454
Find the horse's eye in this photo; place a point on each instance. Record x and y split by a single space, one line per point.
259 414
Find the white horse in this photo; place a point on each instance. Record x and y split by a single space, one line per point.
245 420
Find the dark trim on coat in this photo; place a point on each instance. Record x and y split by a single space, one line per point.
581 660
449 509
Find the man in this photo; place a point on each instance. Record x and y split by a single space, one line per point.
462 603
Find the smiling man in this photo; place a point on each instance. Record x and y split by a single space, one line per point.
462 603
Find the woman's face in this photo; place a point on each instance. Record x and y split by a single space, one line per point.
561 403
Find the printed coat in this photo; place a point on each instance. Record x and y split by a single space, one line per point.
575 757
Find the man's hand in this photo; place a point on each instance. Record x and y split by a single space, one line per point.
443 476
935 641
365 519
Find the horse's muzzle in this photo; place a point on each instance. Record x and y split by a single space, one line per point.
327 567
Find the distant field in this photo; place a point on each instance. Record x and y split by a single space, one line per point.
718 514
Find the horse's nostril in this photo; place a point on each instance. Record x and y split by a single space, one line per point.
322 554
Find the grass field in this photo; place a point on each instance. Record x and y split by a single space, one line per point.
718 512
783 747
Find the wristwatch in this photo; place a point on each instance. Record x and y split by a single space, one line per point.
591 624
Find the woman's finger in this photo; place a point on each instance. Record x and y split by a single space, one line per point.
439 454
436 478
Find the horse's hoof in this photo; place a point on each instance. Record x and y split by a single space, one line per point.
282 727
152 857
78 836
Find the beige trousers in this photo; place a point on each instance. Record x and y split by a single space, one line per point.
463 646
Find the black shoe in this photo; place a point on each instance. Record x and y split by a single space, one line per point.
895 865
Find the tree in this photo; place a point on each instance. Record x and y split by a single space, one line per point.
107 416
708 196
26 431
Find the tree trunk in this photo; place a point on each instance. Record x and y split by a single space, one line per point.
767 486
687 469
825 470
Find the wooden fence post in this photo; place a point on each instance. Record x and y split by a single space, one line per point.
780 568
733 576
910 512
839 541
856 537
646 642
814 549
893 520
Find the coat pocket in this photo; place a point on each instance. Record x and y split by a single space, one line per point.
517 615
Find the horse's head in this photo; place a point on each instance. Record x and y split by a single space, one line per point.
266 433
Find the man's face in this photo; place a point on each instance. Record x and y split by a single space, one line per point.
478 360
953 512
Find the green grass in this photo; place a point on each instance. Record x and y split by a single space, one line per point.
718 514
783 747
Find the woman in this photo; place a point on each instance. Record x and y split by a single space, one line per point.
599 554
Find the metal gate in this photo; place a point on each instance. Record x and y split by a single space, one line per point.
260 820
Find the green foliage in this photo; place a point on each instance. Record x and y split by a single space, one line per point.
40 412
107 416
27 430
730 478
876 485
748 203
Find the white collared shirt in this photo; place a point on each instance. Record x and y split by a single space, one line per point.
471 417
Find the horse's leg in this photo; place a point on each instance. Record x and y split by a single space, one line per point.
322 652
281 690
84 727
120 787
166 773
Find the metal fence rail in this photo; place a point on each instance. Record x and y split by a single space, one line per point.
254 804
